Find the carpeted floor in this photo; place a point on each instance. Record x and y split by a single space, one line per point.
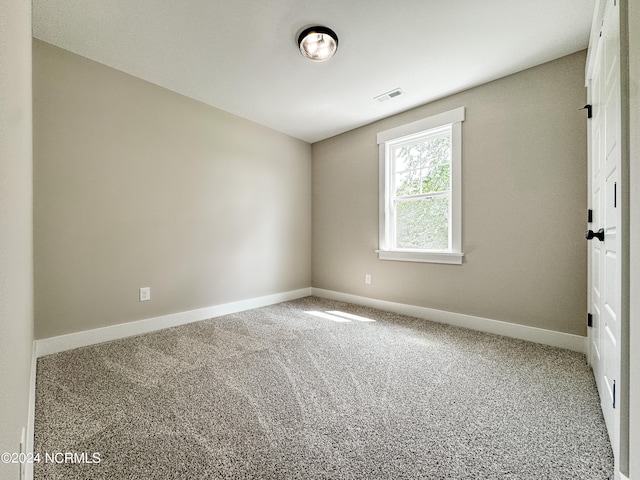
280 393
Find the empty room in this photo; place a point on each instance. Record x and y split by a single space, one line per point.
319 240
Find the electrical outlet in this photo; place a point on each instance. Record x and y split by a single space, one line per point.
145 294
367 279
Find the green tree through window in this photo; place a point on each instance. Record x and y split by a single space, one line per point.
422 182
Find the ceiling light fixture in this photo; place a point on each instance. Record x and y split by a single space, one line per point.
318 43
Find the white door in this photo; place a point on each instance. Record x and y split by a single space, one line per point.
604 246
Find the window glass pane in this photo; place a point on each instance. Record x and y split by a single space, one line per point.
423 224
422 166
437 178
406 163
436 161
402 160
408 183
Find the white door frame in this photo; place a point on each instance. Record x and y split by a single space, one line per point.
633 425
626 248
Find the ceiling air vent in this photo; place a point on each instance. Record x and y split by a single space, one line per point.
386 96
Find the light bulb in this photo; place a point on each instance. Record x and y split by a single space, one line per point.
318 43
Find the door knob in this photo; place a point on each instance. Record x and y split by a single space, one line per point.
591 234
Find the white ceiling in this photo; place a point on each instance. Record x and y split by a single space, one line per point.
241 55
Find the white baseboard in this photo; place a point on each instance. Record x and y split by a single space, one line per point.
31 413
568 341
48 346
61 343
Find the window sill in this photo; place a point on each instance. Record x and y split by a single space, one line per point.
422 257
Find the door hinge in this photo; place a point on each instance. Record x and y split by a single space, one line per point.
589 216
589 320
588 108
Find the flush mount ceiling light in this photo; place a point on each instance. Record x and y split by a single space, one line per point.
318 43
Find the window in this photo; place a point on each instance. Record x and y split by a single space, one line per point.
420 190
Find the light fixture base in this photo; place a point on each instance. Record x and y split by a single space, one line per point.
318 43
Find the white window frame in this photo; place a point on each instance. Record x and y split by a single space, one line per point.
402 133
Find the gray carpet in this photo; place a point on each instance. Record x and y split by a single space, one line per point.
278 393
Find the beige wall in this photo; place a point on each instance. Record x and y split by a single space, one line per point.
524 206
138 186
16 261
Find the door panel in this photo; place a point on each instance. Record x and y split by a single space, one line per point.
605 266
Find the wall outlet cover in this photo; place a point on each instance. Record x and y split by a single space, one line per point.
145 294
